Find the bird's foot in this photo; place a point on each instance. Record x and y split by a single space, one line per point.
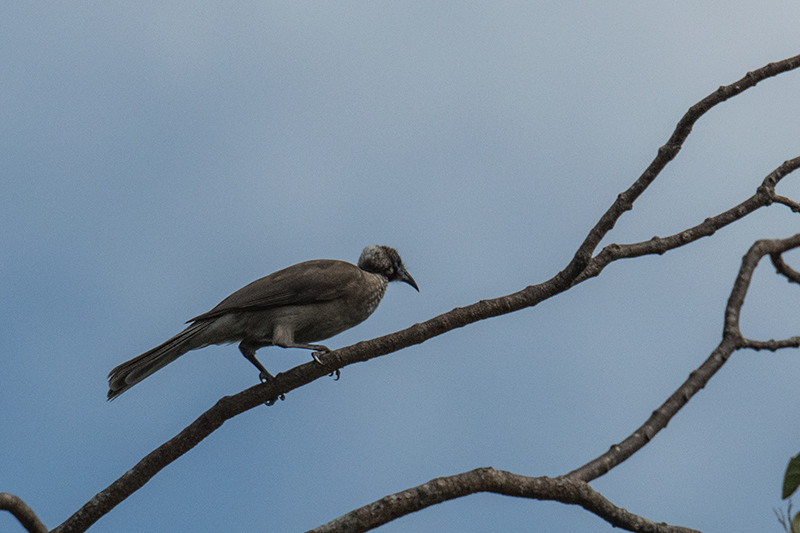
273 401
266 377
316 355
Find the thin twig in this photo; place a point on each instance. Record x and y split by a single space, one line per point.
764 196
780 265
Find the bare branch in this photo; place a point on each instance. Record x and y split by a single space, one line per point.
794 206
618 453
24 514
780 265
231 406
667 153
749 263
772 345
732 340
787 520
764 196
570 491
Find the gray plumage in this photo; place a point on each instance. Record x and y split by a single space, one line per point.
304 303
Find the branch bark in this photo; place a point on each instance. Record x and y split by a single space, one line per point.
24 514
574 272
564 490
782 268
765 195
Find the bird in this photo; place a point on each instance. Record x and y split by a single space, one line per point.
291 308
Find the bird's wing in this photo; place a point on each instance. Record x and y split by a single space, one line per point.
300 284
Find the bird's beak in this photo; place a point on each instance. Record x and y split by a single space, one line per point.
405 276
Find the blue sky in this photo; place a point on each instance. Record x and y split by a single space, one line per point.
157 156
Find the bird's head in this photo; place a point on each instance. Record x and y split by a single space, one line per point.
384 260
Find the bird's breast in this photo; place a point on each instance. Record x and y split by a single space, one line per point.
375 295
324 320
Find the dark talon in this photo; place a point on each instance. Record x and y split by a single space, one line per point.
337 373
270 403
266 377
315 355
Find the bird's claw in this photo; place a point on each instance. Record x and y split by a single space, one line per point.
273 401
316 355
266 377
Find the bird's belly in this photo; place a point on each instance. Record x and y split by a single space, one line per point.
320 322
306 323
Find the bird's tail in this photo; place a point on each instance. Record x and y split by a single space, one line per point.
129 373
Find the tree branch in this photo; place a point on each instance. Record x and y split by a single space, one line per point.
668 152
570 491
231 406
24 514
764 196
782 268
573 488
732 340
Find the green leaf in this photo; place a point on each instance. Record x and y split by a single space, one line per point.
795 527
792 478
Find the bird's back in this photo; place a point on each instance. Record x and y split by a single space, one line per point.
305 283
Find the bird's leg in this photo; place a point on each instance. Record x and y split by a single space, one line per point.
249 353
317 350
